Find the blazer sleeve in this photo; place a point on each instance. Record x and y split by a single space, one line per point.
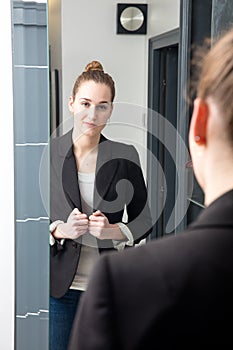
120 185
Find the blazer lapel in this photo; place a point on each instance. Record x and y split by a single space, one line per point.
70 181
69 172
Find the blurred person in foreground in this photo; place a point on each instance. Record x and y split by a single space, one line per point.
178 291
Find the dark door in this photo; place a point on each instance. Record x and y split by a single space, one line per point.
163 83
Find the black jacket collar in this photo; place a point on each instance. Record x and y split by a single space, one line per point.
218 213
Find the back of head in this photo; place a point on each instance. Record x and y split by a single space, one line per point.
94 71
216 80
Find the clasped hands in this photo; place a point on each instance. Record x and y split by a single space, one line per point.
96 224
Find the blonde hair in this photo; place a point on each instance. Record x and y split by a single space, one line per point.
94 71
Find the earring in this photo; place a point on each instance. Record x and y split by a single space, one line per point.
197 138
200 140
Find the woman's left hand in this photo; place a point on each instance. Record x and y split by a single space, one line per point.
100 227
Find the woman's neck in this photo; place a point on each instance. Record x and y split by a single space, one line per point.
219 178
85 150
84 144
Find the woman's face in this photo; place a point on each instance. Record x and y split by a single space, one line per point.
91 107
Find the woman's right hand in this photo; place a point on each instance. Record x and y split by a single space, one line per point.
76 226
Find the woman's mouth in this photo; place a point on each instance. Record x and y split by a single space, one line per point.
89 125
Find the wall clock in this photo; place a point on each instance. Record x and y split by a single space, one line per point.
131 18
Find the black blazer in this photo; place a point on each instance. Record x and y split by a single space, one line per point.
118 182
173 293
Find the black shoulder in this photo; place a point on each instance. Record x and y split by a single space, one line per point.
121 147
62 143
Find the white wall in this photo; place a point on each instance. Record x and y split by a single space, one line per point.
89 32
7 277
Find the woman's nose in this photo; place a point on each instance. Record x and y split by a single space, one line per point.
92 113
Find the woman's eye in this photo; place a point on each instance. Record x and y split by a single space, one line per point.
102 107
85 104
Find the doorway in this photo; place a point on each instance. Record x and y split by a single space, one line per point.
162 103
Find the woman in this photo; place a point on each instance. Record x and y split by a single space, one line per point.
93 181
179 294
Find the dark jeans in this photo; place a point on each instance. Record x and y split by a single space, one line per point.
61 316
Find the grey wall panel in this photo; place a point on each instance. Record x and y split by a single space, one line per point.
30 33
31 129
29 333
29 203
32 307
29 44
31 104
32 251
30 13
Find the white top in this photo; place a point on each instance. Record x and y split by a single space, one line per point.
89 250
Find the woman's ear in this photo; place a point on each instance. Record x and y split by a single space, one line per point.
70 104
198 127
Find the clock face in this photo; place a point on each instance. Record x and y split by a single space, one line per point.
131 18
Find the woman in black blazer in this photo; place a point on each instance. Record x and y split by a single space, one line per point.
94 184
177 291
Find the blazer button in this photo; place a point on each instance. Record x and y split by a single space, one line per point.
74 244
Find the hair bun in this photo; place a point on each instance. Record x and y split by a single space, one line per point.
94 65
